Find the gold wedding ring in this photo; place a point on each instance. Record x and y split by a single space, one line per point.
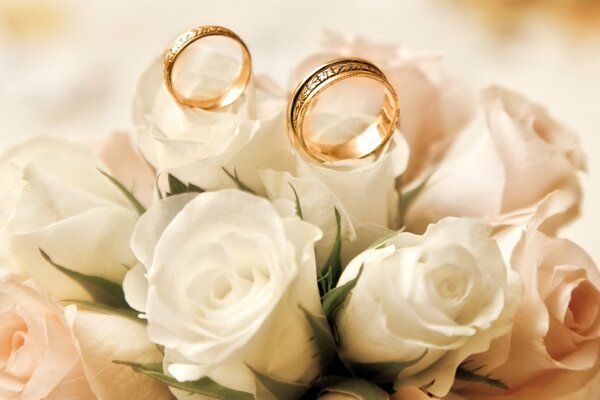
232 93
369 141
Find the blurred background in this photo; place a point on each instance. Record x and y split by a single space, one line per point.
70 67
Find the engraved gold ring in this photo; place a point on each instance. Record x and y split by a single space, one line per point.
371 140
232 93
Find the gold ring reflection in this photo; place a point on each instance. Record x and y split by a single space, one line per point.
189 37
368 142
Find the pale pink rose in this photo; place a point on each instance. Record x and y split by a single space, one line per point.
514 158
434 108
553 351
39 356
127 164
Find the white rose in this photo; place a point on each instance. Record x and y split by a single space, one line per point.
62 204
359 182
195 144
447 293
223 281
363 191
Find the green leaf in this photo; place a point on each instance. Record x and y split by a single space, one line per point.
268 388
359 389
102 308
135 203
407 198
175 186
234 177
334 299
464 374
382 241
158 192
204 386
381 372
323 338
178 187
298 205
325 281
101 290
330 275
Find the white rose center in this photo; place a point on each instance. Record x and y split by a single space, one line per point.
448 282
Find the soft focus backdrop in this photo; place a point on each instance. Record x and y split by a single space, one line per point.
69 67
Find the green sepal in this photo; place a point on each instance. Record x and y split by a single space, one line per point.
135 203
381 372
100 289
323 338
268 388
178 187
234 177
407 198
334 299
358 388
204 386
103 308
298 205
465 374
330 275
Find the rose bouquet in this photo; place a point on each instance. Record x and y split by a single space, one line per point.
207 257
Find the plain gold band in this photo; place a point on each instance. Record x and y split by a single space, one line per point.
366 143
232 93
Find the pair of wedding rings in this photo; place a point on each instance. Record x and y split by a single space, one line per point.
368 142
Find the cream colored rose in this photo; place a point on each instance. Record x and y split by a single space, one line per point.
507 166
222 284
104 338
442 296
553 351
10 188
62 204
39 356
195 144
